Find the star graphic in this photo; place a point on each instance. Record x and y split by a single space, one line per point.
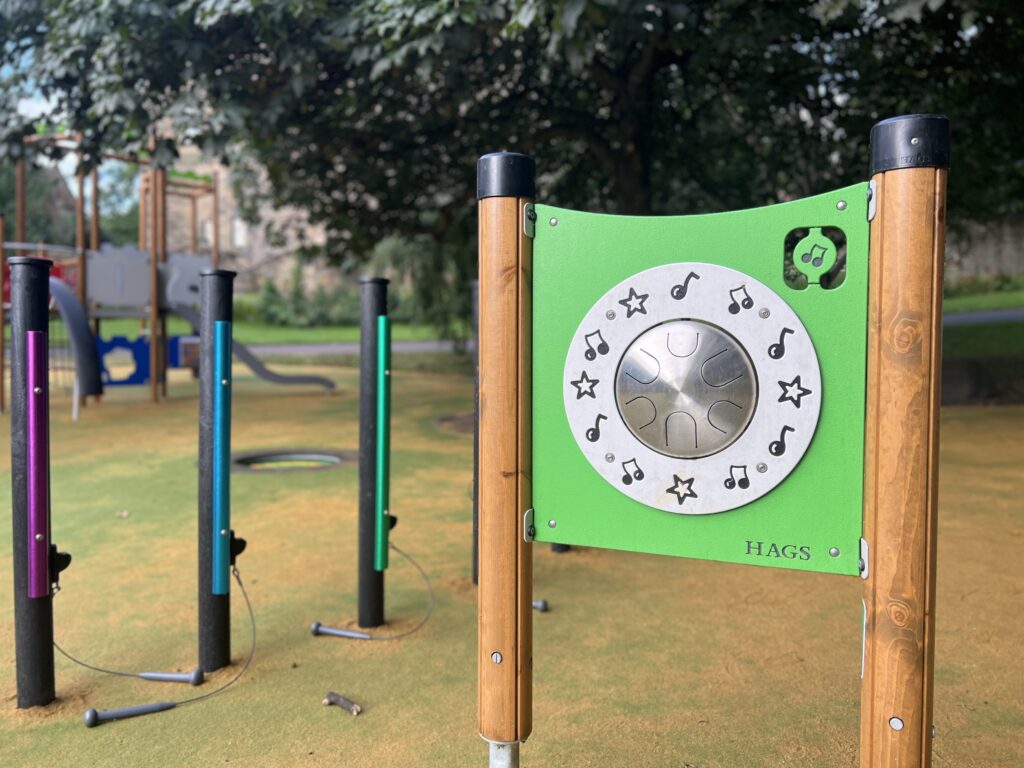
794 391
683 489
634 303
585 386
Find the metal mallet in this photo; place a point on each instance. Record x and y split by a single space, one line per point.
319 629
95 717
195 677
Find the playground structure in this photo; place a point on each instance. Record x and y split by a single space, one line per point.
146 282
792 427
37 561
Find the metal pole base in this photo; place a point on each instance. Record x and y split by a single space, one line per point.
504 755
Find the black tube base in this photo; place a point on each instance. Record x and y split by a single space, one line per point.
33 617
215 297
373 303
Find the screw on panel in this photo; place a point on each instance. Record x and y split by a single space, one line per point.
38 390
841 205
764 313
915 141
610 314
39 537
610 458
553 222
223 532
224 382
834 552
762 467
895 723
552 523
496 657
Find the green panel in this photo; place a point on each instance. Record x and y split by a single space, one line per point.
819 506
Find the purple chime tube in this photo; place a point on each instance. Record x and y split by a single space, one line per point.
37 564
38 465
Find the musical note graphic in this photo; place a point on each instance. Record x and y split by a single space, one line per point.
816 256
630 475
742 481
746 301
594 433
679 291
778 447
776 351
602 346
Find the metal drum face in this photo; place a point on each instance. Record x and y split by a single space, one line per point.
692 388
686 389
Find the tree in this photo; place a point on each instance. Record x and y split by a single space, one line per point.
369 115
49 206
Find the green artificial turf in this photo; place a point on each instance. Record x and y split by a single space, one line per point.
641 661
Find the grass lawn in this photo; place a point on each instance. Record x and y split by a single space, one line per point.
984 301
261 333
642 661
1001 341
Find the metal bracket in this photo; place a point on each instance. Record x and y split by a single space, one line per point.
872 199
528 530
863 564
529 220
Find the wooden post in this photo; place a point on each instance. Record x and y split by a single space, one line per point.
215 245
154 286
192 240
3 284
143 205
19 202
94 218
160 176
909 161
94 233
505 185
80 234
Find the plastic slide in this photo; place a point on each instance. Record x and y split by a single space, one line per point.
244 354
83 348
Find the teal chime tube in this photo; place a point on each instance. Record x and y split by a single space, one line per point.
383 475
221 457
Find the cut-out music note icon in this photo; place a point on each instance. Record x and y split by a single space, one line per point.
737 477
594 433
746 302
602 345
679 291
629 475
778 447
816 256
776 351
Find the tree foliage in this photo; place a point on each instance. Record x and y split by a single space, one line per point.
370 114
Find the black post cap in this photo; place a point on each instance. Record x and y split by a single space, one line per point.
31 261
910 141
505 174
217 273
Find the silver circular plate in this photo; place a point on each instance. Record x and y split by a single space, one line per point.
692 388
686 389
